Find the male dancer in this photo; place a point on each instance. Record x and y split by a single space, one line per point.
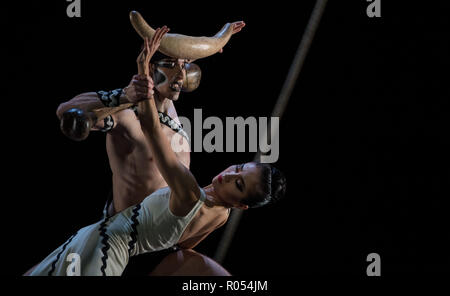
134 172
135 175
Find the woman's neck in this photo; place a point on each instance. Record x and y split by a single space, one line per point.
213 200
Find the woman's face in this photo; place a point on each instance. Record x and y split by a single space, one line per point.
236 183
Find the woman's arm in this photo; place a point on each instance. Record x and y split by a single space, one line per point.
184 187
185 190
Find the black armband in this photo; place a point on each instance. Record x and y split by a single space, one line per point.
110 98
109 124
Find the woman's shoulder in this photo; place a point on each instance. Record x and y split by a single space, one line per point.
183 205
217 216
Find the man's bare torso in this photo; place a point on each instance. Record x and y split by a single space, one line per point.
135 174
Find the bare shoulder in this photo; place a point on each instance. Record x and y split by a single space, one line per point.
211 217
126 116
222 217
181 205
127 125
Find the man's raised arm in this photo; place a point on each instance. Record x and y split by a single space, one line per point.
91 101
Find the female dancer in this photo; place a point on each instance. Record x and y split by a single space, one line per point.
183 210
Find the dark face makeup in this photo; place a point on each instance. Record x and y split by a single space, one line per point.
168 77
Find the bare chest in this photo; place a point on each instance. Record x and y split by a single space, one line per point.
134 170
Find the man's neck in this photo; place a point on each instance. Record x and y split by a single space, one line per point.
162 104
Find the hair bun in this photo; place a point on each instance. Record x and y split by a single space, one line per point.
278 185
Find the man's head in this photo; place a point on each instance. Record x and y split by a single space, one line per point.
172 75
180 51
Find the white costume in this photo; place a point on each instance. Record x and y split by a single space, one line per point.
104 248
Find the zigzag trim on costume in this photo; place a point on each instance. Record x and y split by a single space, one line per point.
134 232
59 254
106 247
172 124
166 120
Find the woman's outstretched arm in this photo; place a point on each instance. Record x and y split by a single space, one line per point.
184 187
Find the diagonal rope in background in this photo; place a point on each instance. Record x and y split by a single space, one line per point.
278 111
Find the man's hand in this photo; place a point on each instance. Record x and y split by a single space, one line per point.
141 86
237 27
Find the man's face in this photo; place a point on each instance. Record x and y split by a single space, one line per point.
168 76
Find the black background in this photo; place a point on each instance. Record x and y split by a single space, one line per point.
363 143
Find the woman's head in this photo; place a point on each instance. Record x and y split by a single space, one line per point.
249 185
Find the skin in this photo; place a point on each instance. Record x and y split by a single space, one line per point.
234 184
164 94
135 175
132 160
188 263
228 189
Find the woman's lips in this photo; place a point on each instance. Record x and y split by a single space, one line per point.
219 179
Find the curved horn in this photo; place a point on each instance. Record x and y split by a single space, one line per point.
182 46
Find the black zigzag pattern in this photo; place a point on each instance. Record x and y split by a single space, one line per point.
172 124
134 231
110 98
105 243
59 254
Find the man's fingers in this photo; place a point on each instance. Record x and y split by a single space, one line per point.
144 77
143 83
143 89
144 94
140 82
140 89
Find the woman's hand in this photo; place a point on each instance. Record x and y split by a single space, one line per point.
141 85
150 47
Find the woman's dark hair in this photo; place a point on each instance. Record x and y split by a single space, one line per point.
272 187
